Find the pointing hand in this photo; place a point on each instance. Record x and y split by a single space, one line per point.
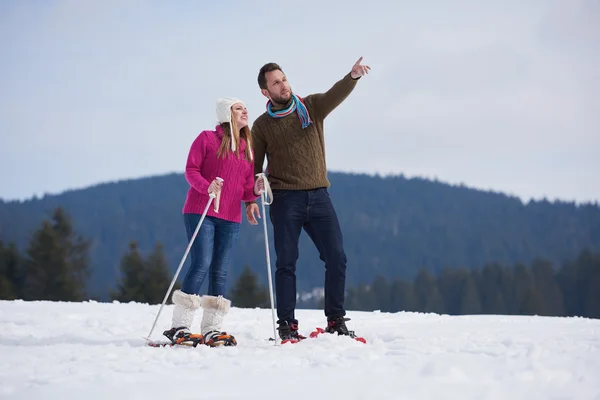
359 70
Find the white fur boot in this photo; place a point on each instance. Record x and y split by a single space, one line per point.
183 318
215 310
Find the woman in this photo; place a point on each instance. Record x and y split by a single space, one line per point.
220 161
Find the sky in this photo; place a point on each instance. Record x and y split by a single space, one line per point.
498 96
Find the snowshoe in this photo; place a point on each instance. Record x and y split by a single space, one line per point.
288 332
215 338
183 336
337 325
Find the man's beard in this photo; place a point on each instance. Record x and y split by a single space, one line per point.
281 100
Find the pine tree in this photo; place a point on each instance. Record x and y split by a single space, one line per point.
156 272
532 303
427 293
592 292
247 293
144 280
569 282
580 283
11 273
494 287
470 303
7 291
450 284
352 299
362 298
550 293
131 286
402 296
459 291
527 298
382 294
57 263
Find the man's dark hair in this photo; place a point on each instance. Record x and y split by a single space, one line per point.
262 80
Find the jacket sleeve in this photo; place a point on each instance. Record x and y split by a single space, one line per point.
325 103
193 167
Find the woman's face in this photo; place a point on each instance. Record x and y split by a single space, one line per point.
240 115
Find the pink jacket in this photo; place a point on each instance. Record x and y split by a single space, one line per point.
203 167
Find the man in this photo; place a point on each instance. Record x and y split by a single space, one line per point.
290 134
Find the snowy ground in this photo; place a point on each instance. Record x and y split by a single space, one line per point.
96 351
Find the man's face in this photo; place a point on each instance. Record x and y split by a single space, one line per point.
278 88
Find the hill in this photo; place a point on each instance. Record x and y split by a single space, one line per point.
392 227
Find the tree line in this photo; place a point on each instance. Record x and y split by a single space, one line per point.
56 266
392 226
536 289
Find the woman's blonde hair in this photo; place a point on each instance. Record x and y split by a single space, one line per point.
245 133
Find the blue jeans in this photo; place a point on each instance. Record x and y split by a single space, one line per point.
211 250
311 210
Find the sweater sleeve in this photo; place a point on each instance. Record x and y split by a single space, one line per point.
325 103
260 148
193 167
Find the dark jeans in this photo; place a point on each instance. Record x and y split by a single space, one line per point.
211 250
290 212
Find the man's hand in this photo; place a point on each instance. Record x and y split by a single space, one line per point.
359 70
252 209
259 186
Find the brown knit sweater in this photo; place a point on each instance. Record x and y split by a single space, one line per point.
296 156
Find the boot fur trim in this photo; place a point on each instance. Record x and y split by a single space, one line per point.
189 301
219 303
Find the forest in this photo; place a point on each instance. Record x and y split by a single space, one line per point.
412 244
55 267
393 226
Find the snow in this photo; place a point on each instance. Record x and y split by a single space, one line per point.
96 351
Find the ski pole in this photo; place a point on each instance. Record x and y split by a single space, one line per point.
262 197
218 198
211 197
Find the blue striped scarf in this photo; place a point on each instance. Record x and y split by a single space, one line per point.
297 105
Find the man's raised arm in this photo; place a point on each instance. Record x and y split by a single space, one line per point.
325 103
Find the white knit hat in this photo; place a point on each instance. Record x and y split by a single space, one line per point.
224 114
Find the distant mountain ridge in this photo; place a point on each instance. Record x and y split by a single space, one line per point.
392 226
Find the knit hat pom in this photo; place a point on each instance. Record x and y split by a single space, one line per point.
224 114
